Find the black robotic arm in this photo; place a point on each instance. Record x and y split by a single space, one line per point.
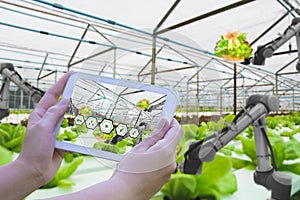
258 106
9 74
267 50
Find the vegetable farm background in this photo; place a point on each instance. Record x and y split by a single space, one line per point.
218 180
167 45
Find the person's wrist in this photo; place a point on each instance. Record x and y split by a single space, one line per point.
29 172
130 190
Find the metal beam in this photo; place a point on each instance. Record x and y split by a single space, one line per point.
47 75
166 16
213 80
288 64
153 63
77 47
234 89
40 72
291 6
249 86
181 54
289 73
268 29
209 14
169 70
140 72
92 56
285 52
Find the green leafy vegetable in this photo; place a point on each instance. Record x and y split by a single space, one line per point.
67 136
214 175
109 147
189 130
5 156
272 122
282 151
201 133
64 172
11 137
229 118
143 104
249 148
11 140
292 149
69 157
80 129
85 110
233 44
227 184
64 123
295 168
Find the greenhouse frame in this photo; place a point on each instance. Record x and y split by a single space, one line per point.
171 44
152 57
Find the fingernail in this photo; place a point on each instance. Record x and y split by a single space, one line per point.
161 124
63 102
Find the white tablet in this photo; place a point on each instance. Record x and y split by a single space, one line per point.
110 116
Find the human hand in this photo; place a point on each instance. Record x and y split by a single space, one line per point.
142 172
38 154
150 164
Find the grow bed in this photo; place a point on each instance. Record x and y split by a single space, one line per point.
94 170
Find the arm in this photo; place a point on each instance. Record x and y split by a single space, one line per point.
134 184
38 160
257 107
9 74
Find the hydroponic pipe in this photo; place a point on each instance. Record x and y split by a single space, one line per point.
118 24
71 25
89 42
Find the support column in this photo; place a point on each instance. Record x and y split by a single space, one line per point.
153 66
234 88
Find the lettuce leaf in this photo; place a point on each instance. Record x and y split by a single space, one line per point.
214 175
5 156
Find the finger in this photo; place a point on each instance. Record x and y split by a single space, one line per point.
50 97
35 116
155 136
156 157
54 113
175 132
171 138
58 155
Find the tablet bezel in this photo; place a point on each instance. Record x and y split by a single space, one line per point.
167 112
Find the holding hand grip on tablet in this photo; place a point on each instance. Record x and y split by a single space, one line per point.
112 116
157 151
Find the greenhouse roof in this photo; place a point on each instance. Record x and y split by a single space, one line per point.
45 39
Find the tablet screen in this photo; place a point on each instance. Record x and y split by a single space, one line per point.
111 115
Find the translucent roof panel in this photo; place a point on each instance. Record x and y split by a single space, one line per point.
118 39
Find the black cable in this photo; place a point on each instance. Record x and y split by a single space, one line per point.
3 85
239 114
273 162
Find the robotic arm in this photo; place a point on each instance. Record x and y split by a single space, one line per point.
258 106
267 50
9 74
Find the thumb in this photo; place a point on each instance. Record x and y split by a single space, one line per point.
157 134
54 113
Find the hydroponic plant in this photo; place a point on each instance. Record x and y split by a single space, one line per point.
233 157
216 179
285 146
233 45
143 104
11 140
